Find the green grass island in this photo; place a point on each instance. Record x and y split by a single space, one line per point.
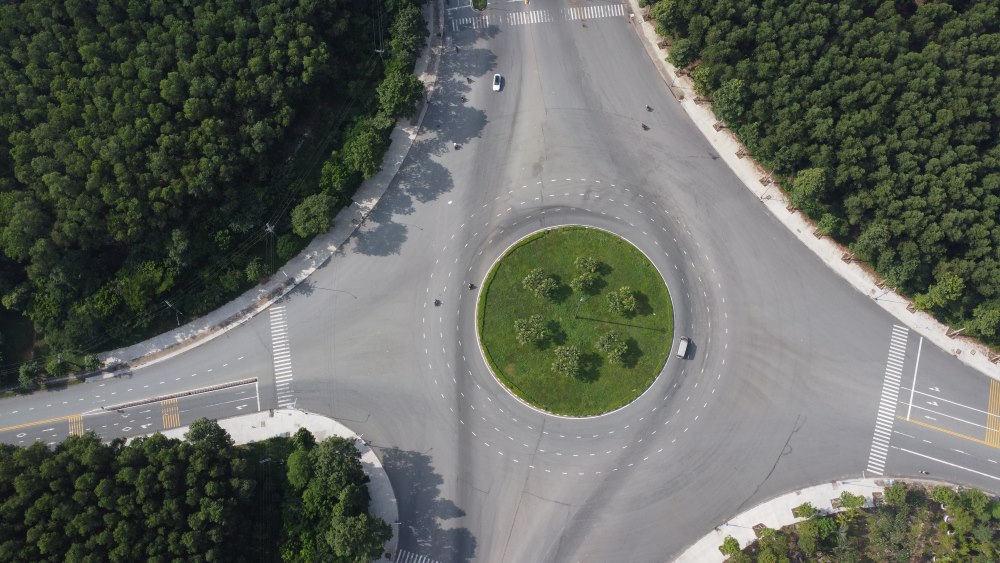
575 321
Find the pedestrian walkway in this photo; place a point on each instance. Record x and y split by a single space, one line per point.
286 422
298 269
760 183
473 22
775 514
529 16
403 556
594 12
887 404
532 16
281 354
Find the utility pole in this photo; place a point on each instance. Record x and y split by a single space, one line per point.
270 247
178 311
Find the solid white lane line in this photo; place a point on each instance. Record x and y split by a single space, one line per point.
948 463
914 385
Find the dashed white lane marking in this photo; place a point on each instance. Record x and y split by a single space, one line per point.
281 356
496 429
887 404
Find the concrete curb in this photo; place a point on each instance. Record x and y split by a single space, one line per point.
967 350
262 425
252 302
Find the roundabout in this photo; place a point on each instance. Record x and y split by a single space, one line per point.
647 431
560 291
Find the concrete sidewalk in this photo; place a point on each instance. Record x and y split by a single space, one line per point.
298 269
259 426
757 180
776 513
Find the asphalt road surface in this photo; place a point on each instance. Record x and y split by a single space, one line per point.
794 377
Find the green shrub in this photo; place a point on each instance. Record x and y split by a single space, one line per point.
540 284
612 344
623 301
256 270
27 375
804 510
568 361
288 246
313 216
531 330
682 53
585 282
55 366
587 264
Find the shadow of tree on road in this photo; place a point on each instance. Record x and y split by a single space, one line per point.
422 510
422 178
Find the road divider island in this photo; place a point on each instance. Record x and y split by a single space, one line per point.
575 321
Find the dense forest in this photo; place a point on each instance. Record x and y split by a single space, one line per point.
908 524
880 118
201 499
157 158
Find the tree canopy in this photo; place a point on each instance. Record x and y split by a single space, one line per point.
148 149
881 118
200 499
909 526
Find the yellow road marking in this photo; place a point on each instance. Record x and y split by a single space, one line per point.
993 415
949 432
76 425
171 414
37 423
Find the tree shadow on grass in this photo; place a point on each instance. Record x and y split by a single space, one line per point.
599 285
422 510
642 306
557 336
562 291
590 367
631 357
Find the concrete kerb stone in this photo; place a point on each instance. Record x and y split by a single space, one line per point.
257 299
258 426
967 350
777 513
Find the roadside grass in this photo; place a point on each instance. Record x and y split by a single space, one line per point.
479 5
526 369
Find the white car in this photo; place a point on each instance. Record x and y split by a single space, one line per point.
682 347
497 79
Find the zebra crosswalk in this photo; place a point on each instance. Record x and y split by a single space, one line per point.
403 556
594 12
539 16
474 22
887 403
533 16
282 356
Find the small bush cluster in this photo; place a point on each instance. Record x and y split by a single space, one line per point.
623 301
612 344
540 284
531 330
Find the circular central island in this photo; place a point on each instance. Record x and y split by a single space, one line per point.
575 321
